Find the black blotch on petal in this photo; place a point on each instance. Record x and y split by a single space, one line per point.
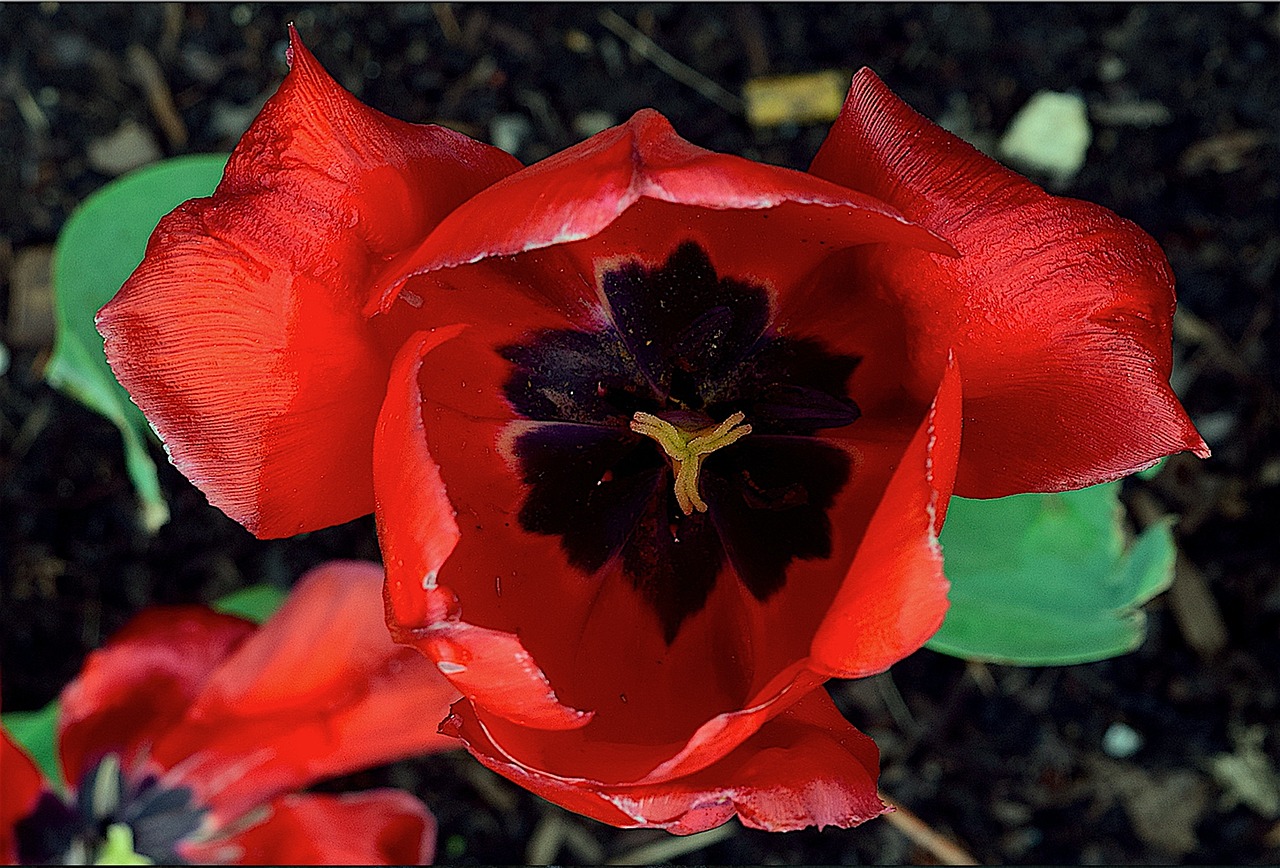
43 836
673 560
589 485
769 497
683 317
682 342
788 409
790 386
161 817
574 376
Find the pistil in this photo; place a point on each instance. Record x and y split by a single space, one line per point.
687 449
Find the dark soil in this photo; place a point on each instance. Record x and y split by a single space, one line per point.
1009 762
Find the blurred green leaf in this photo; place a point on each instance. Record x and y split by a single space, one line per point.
257 603
100 246
1153 471
36 732
1045 579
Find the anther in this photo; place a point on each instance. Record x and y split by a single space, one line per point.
687 449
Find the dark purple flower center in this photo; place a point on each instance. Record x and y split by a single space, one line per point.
613 461
157 817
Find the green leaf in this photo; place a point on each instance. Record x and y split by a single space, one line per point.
36 732
257 603
100 246
1045 579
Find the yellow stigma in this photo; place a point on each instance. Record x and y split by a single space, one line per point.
686 449
118 848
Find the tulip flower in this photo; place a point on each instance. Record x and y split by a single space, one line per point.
658 439
187 737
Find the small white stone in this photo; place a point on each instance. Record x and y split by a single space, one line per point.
1111 69
588 123
509 132
128 148
1050 134
1121 741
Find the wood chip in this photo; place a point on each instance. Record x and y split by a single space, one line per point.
1050 134
1164 807
146 71
1247 776
31 322
811 98
1222 153
1196 610
130 147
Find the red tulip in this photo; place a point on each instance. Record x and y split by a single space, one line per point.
658 439
185 738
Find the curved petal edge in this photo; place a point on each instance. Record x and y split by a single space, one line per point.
1059 311
241 335
489 667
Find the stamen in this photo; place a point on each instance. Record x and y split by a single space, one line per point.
118 848
105 793
687 449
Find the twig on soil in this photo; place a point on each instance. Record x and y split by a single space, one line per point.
148 74
174 18
942 848
555 831
667 849
34 117
448 22
889 694
650 50
494 790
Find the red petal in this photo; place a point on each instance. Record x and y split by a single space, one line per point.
805 767
505 577
1058 311
319 690
380 827
133 690
240 335
894 596
458 565
576 193
20 787
489 666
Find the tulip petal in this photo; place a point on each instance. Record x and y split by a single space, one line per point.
805 767
319 690
1058 311
240 336
379 827
577 193
133 690
21 786
489 666
464 608
894 596
892 600
460 561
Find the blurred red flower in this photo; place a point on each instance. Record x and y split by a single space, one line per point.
658 439
185 738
